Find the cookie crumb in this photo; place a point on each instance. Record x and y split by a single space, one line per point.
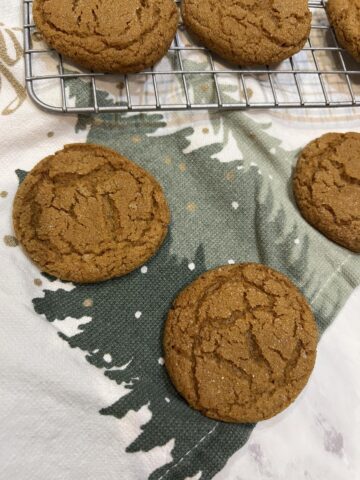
36 37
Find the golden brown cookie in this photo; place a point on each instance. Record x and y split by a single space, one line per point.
88 214
249 32
108 35
345 18
326 186
240 343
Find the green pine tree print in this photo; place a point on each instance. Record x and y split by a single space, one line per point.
220 212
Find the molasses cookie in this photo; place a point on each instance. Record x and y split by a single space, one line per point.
326 186
240 343
257 32
345 18
88 214
108 35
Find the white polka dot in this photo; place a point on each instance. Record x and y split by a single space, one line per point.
191 266
240 167
231 261
273 151
253 164
107 357
167 399
259 172
235 205
144 269
297 241
161 361
95 351
138 314
271 177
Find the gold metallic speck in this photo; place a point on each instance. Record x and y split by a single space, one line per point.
10 241
230 176
88 302
136 139
191 207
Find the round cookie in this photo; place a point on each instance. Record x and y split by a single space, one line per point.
240 343
344 16
326 186
249 32
122 36
88 214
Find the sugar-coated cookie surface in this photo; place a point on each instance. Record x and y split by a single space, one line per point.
87 214
345 18
108 35
240 343
249 32
326 186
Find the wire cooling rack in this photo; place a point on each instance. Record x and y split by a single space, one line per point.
191 78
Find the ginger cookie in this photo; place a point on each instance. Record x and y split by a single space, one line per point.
326 186
256 32
87 214
108 35
344 16
240 343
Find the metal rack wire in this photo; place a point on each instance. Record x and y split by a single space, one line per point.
191 78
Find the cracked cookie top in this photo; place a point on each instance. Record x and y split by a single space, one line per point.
88 214
345 18
240 343
249 32
326 186
108 35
